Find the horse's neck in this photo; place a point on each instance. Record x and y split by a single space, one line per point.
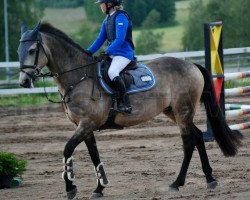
63 58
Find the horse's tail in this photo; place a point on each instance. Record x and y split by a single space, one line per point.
227 139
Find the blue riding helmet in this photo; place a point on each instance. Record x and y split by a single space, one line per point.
115 2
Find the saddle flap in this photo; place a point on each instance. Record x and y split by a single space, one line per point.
137 79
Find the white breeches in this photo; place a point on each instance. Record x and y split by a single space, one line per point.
117 65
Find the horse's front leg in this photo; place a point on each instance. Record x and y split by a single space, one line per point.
81 134
102 180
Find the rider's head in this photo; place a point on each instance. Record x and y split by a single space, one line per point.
107 5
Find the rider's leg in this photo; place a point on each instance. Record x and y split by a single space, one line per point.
117 65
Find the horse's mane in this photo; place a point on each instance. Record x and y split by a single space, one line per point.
48 28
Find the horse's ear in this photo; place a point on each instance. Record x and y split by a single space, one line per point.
37 28
24 28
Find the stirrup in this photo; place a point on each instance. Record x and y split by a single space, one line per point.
124 109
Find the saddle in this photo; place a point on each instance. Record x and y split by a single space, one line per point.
137 77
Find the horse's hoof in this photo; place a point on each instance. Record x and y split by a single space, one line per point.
173 189
72 194
212 185
96 195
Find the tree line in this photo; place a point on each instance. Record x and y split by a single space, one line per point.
18 11
145 14
138 10
234 15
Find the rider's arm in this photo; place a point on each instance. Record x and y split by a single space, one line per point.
121 31
99 40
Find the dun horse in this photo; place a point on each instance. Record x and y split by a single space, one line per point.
179 88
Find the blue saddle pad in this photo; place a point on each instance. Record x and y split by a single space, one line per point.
143 79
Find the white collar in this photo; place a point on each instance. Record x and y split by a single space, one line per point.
110 14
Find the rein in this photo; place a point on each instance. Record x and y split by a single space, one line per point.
71 88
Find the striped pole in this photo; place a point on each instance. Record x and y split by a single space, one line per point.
240 126
236 106
236 113
237 75
237 91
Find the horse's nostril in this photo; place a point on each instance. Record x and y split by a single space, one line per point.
25 83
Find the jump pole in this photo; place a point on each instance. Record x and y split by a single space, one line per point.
213 40
236 106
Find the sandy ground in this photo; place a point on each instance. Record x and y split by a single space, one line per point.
140 161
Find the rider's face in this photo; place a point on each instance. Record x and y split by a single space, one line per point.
103 7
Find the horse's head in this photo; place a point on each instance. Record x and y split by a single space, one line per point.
32 55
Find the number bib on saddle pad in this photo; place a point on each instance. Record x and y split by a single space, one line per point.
137 79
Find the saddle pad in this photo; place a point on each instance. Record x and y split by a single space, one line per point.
143 79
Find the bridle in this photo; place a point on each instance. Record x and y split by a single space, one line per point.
35 65
39 74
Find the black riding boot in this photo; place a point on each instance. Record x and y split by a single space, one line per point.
123 102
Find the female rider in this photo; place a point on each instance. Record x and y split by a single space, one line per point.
117 30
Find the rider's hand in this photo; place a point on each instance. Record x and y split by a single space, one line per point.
89 53
103 56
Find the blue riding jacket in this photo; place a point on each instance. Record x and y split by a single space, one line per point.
117 30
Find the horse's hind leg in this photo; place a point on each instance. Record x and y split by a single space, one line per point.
183 112
199 142
102 180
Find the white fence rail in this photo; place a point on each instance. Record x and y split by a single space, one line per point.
28 91
190 54
182 55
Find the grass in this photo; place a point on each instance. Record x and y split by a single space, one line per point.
172 36
237 83
25 100
68 20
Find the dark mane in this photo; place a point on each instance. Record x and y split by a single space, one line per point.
48 28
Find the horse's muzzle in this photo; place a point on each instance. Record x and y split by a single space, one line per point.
26 83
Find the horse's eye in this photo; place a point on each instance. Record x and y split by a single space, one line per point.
32 51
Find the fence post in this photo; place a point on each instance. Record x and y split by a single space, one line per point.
213 39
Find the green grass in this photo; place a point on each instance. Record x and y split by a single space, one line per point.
237 83
182 12
172 36
171 41
68 20
26 100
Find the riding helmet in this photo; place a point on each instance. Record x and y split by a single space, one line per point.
115 2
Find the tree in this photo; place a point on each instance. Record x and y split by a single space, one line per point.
193 34
166 9
87 34
152 19
148 42
93 11
235 17
18 11
60 3
137 9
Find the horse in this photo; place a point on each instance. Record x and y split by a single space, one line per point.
180 87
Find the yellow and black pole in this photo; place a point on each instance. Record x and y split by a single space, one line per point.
214 64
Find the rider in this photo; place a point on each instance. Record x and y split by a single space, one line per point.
117 30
